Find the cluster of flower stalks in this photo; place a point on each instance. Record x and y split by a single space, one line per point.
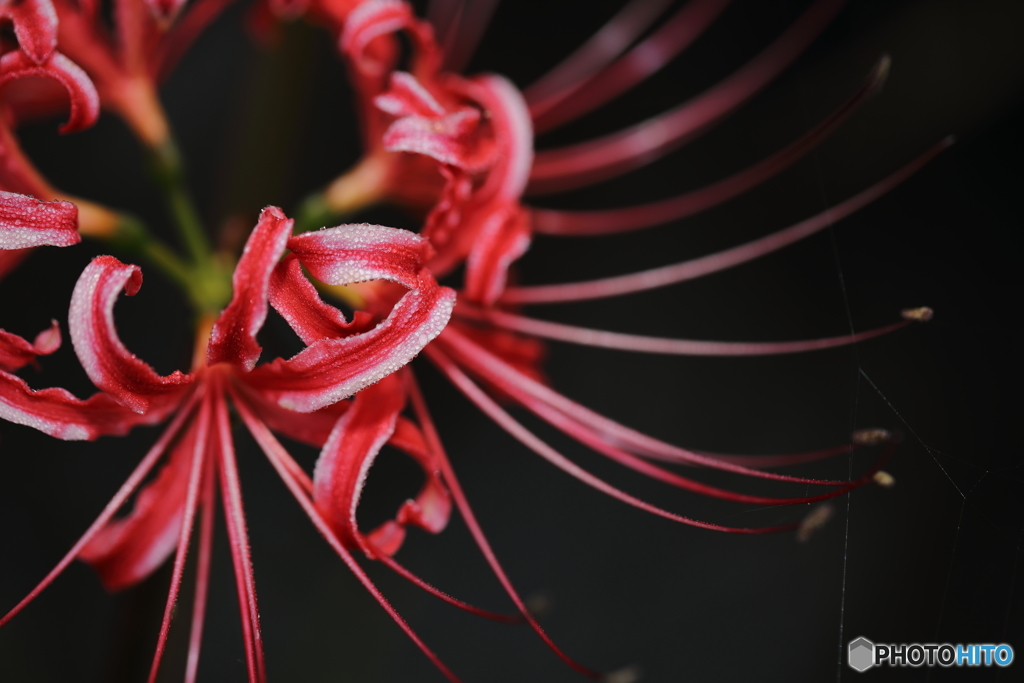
457 152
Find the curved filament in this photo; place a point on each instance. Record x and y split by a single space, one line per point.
279 458
713 263
645 59
459 496
485 403
610 221
661 345
594 55
612 155
127 488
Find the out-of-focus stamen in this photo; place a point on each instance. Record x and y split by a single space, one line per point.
643 60
722 260
598 52
610 221
643 344
606 157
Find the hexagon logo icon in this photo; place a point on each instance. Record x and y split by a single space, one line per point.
861 654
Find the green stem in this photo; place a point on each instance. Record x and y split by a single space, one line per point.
207 285
170 176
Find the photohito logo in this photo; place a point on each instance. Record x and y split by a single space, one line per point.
862 654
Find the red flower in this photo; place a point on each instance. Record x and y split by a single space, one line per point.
300 397
461 149
126 63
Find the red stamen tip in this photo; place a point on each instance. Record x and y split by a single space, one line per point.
872 436
884 479
814 521
921 315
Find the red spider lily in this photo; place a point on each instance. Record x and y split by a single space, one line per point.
301 397
463 148
126 63
478 132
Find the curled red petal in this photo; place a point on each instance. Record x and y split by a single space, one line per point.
503 238
110 366
425 127
233 339
430 510
406 96
361 252
296 299
349 452
16 352
28 222
332 369
346 459
374 19
58 413
448 139
130 548
35 26
82 96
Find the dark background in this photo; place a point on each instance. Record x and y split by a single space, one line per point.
935 559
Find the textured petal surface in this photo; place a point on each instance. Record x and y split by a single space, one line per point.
16 352
332 369
110 366
345 461
58 413
35 26
234 334
296 299
361 252
84 102
503 238
27 222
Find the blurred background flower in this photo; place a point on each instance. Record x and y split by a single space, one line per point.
934 558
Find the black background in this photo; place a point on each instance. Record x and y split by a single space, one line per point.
935 559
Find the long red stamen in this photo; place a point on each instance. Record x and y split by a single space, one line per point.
199 448
598 52
196 17
459 496
278 457
203 559
645 59
436 592
782 459
589 162
479 361
588 438
127 488
234 514
610 221
468 28
485 403
662 345
713 263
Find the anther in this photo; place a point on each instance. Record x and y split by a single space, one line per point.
814 521
883 478
872 436
921 315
